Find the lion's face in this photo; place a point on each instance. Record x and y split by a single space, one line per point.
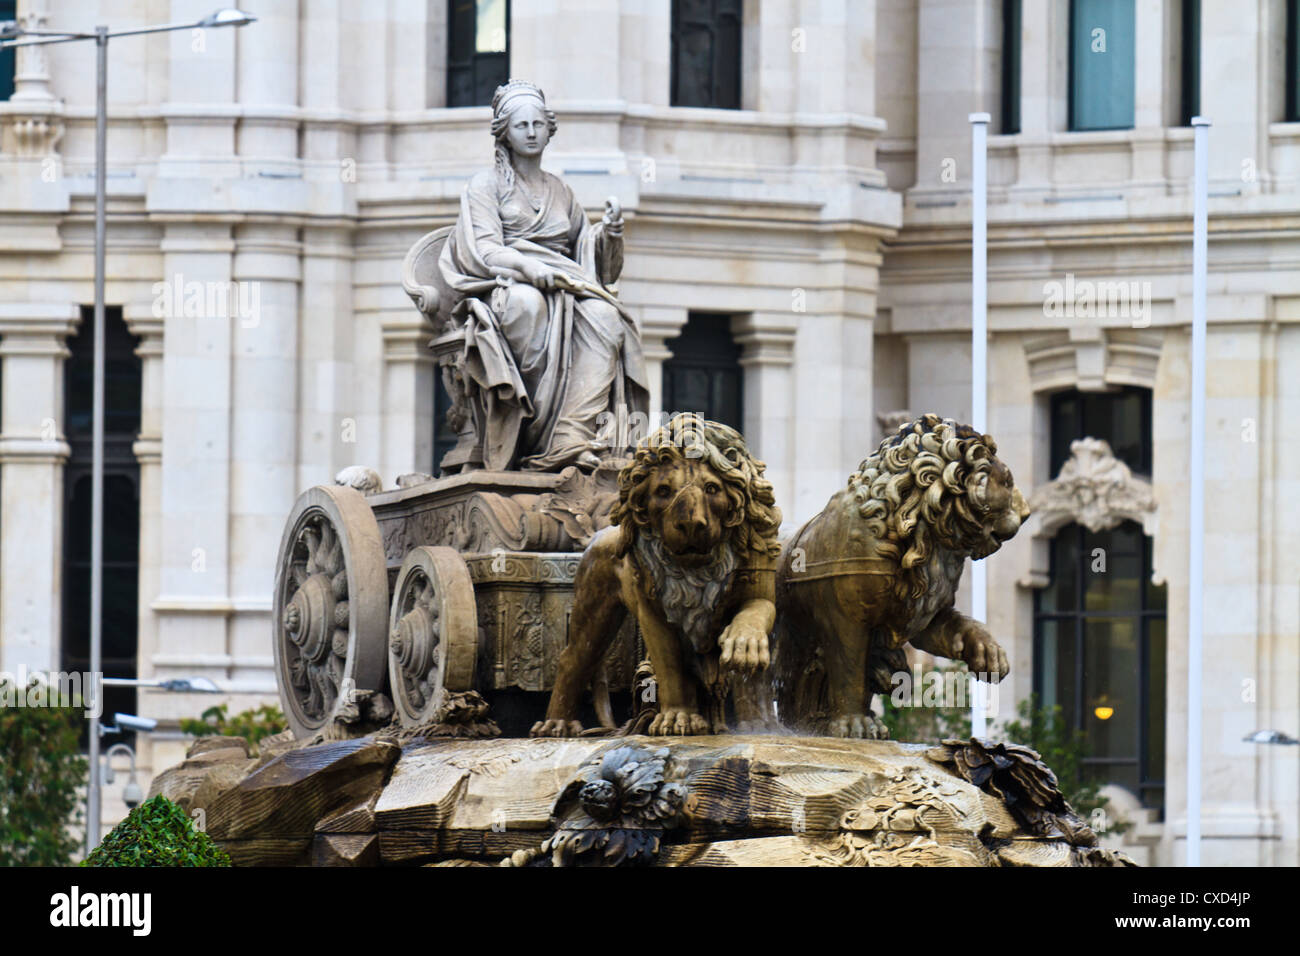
688 508
1003 508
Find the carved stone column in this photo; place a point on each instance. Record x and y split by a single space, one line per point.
658 325
767 343
31 121
33 451
407 400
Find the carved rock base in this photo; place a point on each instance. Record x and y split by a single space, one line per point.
690 801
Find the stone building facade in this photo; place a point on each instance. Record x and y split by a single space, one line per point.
795 179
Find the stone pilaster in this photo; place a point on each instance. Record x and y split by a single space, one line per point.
767 356
33 451
658 325
408 389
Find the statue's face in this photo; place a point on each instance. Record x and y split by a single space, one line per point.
527 132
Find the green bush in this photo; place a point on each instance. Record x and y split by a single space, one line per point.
41 772
157 833
252 725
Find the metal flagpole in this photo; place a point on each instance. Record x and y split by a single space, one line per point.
979 365
1196 520
97 428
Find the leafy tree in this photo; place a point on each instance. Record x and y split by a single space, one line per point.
253 725
157 833
42 772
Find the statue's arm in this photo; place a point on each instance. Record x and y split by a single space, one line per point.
609 243
606 237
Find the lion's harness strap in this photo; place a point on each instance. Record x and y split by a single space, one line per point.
841 567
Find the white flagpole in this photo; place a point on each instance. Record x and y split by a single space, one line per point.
979 365
1196 520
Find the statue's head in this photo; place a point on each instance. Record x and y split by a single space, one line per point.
521 122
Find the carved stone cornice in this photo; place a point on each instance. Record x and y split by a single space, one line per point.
1094 489
1092 358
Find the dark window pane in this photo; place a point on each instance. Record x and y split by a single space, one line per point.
705 53
1191 61
1011 66
1110 672
1062 594
478 50
704 373
1157 675
1056 670
1101 64
1112 562
8 10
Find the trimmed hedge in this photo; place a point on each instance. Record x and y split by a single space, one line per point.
157 833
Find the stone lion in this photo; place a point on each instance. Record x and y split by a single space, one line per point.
878 568
691 552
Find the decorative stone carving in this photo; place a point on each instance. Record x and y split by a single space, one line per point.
1094 489
614 812
878 568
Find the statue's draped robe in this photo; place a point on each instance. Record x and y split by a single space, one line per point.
580 358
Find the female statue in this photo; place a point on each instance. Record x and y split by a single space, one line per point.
546 342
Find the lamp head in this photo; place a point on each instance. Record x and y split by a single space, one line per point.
227 17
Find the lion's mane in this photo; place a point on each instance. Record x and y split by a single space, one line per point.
922 489
753 518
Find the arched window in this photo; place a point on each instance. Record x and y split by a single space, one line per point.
1099 624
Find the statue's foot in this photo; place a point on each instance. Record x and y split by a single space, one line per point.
588 461
862 726
678 723
556 728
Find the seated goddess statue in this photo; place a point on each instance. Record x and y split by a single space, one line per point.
554 357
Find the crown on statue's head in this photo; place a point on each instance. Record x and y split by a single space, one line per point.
513 90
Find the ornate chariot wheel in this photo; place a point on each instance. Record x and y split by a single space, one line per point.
433 632
331 594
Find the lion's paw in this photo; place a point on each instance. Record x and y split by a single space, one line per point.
861 726
556 728
678 723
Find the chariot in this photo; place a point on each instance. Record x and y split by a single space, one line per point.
460 583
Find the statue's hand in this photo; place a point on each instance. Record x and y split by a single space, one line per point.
613 216
539 274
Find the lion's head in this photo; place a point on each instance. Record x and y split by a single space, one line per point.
694 486
936 484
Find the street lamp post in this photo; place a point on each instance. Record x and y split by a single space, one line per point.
16 36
